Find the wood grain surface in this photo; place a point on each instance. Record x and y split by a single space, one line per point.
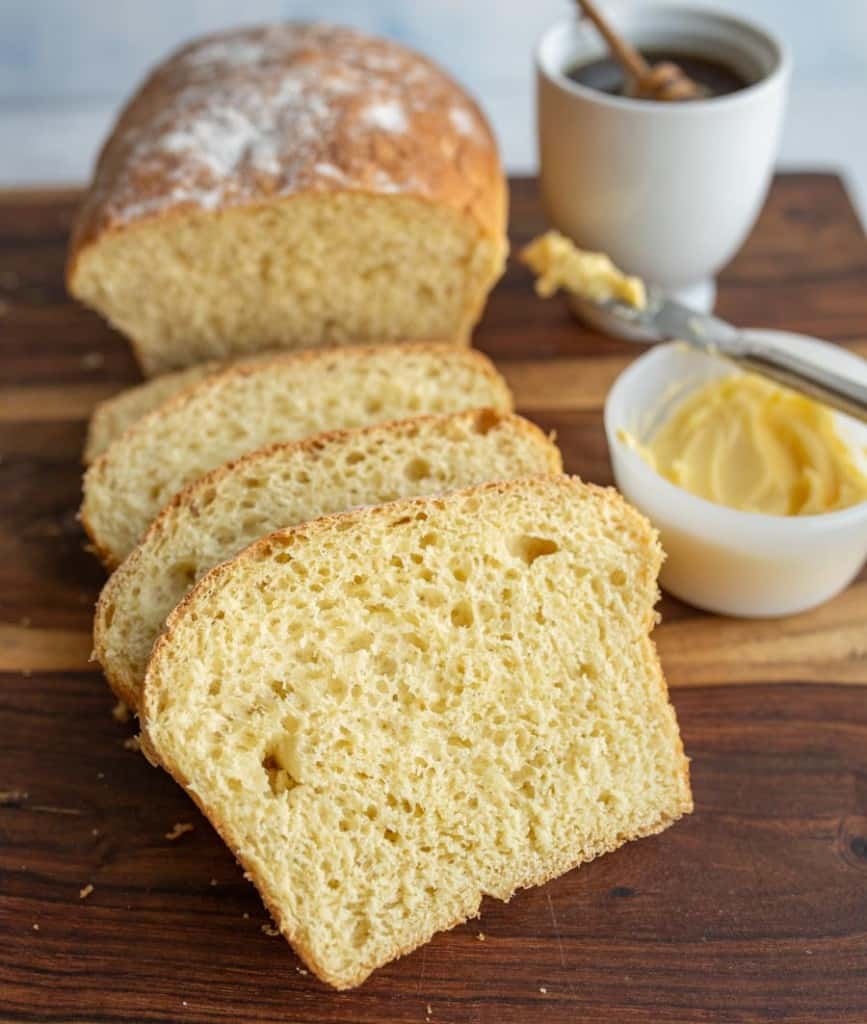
753 909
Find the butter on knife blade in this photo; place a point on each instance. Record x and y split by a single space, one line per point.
559 263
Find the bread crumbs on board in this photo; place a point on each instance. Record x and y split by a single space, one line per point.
120 712
269 929
92 360
178 829
85 892
132 743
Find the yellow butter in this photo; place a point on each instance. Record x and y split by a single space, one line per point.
743 442
558 263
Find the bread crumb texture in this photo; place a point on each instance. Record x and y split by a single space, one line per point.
284 485
284 398
391 713
362 269
117 414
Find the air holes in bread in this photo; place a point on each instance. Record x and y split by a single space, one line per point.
418 469
361 933
185 571
279 779
530 548
487 420
462 614
360 642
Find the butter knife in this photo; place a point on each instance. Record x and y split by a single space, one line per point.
663 319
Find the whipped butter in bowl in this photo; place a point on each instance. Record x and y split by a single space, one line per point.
759 494
743 442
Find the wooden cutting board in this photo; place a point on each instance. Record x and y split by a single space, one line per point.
752 909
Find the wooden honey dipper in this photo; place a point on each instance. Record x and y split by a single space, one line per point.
665 81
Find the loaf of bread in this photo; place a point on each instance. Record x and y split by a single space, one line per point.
391 713
286 484
291 186
116 414
249 405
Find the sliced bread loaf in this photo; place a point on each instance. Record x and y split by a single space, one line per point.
253 404
391 713
116 414
286 484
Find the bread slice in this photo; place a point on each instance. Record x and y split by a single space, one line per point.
116 414
253 404
286 484
391 713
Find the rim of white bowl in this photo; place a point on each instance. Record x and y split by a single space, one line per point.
727 518
775 43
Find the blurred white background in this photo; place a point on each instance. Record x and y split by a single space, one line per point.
66 65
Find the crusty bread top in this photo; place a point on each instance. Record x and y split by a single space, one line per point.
248 115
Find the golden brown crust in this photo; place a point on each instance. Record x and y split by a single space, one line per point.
125 688
255 116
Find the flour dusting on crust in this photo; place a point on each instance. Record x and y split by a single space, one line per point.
388 116
250 115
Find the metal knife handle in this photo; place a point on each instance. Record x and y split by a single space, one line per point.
802 375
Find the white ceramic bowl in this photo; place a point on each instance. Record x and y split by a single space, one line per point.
735 563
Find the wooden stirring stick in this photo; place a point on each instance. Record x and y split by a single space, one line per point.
665 82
